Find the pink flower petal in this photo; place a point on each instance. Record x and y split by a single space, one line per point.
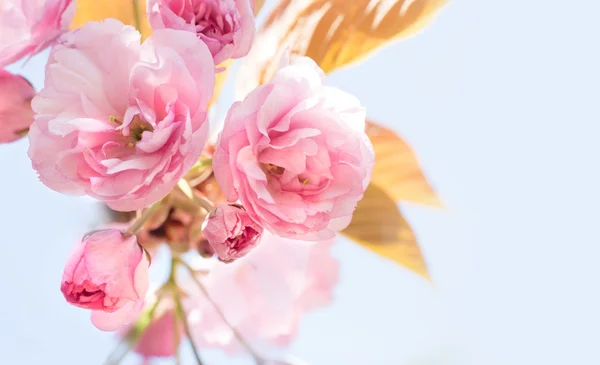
30 26
112 321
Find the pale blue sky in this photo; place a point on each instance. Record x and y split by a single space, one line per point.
501 101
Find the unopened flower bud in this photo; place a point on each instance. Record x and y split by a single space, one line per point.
15 106
107 273
231 232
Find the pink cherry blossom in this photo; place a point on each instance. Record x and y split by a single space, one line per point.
29 26
265 294
119 121
295 154
15 106
231 232
226 26
107 273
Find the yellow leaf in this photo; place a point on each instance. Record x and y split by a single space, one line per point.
220 79
397 170
378 225
258 4
124 10
334 33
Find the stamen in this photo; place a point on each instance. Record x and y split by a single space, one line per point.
274 169
114 119
136 130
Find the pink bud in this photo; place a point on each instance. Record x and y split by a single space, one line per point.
15 106
231 232
225 26
107 273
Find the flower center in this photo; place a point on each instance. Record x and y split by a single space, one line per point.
211 22
137 127
136 130
247 235
86 295
273 169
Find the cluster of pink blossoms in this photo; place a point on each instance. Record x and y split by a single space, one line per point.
125 122
263 297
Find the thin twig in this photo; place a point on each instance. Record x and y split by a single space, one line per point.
181 315
179 312
177 339
258 359
116 356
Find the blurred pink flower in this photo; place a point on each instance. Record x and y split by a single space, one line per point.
294 152
226 26
107 273
264 294
119 121
159 338
231 232
15 106
29 26
284 362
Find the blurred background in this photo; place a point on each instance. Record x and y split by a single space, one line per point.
501 103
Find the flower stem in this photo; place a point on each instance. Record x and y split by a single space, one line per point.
177 339
179 312
205 203
200 166
117 355
258 359
185 187
186 326
139 222
201 171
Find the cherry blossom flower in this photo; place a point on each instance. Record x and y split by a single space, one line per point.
107 273
119 121
295 154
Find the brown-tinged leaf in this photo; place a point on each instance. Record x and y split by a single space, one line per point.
124 10
378 225
397 170
334 33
